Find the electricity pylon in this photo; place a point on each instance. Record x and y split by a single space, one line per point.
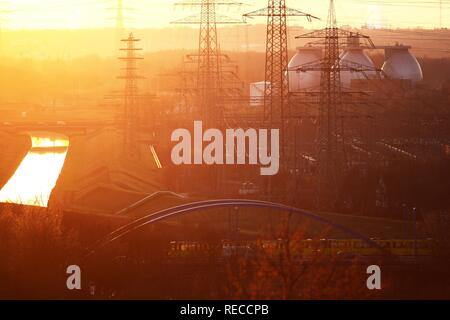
131 95
276 94
276 104
331 128
209 58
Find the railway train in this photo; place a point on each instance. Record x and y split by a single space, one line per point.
305 248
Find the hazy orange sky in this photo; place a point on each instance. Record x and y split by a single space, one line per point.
72 14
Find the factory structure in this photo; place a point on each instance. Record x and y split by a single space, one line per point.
207 182
326 100
336 110
400 64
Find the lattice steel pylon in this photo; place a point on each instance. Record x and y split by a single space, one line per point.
277 113
209 76
121 16
209 70
131 96
276 106
330 137
330 142
211 89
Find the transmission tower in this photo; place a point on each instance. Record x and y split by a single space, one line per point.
209 59
214 80
131 95
331 134
276 106
121 10
120 23
330 146
276 94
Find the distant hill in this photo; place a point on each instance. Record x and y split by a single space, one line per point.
68 44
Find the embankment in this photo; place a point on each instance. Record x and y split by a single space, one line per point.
13 148
100 177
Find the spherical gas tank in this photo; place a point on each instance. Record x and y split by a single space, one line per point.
401 64
304 80
358 56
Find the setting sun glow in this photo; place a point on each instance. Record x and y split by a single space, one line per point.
75 14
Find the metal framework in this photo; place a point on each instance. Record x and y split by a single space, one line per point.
214 83
217 204
131 95
276 97
121 16
120 23
331 135
277 112
331 141
210 75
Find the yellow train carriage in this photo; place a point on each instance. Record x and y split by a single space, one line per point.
185 249
410 247
306 248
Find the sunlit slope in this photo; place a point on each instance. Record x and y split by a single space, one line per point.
13 149
99 177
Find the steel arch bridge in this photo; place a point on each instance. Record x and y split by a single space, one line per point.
220 203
